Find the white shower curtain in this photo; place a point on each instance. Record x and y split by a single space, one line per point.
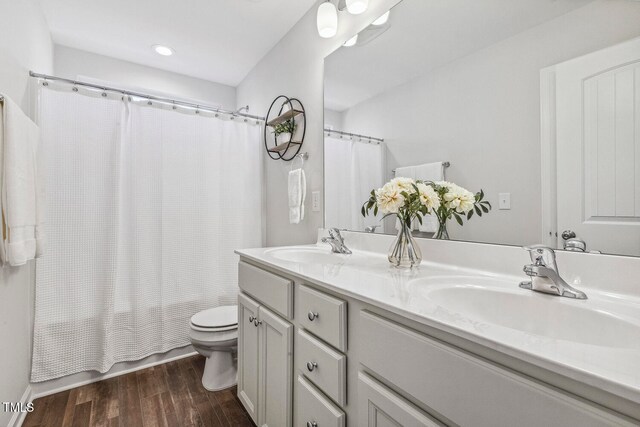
145 205
355 168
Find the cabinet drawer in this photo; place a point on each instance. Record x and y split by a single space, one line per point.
382 407
312 407
465 389
322 365
268 288
323 315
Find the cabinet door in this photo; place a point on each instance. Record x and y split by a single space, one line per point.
276 354
248 355
381 407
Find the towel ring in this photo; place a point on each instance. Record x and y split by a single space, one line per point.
302 157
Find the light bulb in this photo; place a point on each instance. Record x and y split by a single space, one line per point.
382 20
327 20
356 7
351 41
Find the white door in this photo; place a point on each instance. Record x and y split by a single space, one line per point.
276 363
598 148
248 355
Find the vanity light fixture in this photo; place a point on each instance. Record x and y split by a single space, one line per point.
356 7
162 50
352 41
327 20
382 20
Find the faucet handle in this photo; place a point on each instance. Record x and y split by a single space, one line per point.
335 234
542 255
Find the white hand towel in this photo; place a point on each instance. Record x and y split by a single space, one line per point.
22 191
297 194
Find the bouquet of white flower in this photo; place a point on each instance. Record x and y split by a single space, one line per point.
457 203
411 200
408 199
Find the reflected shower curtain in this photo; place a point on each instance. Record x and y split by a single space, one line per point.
354 169
145 206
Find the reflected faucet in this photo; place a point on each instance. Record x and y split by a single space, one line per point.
545 276
336 241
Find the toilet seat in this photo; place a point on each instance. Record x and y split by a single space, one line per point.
222 318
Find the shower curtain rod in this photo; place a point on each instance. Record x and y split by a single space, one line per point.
236 113
339 132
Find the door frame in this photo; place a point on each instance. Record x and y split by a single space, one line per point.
548 157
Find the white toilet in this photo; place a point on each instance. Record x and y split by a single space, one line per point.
214 334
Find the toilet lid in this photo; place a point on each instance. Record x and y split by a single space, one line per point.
217 317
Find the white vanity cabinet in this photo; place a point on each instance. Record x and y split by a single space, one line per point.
395 371
265 358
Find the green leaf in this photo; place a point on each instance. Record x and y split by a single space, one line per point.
375 211
481 194
470 214
363 211
419 219
484 209
487 204
477 209
458 219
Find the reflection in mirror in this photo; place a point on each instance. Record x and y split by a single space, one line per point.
536 102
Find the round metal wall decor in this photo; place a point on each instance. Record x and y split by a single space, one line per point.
290 111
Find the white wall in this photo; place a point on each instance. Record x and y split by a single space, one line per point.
25 44
78 64
482 113
333 119
294 67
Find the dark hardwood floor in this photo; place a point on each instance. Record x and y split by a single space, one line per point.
165 395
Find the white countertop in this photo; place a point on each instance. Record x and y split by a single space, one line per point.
593 341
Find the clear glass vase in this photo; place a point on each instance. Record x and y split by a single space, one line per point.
405 252
442 232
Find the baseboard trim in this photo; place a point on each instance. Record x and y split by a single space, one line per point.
18 418
108 375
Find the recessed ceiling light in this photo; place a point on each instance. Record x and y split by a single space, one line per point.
162 50
352 41
382 20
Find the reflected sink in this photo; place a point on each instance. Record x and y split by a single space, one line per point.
311 255
542 315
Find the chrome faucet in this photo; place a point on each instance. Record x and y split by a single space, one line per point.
336 241
371 229
545 276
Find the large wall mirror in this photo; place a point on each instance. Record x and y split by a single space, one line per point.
536 102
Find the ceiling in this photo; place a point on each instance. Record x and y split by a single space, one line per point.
216 40
424 35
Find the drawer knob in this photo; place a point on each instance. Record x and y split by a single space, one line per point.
312 315
251 319
257 322
312 424
311 366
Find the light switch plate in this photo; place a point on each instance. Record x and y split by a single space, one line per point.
315 201
504 201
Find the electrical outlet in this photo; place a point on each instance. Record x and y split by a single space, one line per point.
504 201
315 201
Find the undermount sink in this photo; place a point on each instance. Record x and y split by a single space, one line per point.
310 255
537 314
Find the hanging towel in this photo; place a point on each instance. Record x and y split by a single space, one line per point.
22 195
297 194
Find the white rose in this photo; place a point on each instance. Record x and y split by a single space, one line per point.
428 196
389 199
404 184
458 198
